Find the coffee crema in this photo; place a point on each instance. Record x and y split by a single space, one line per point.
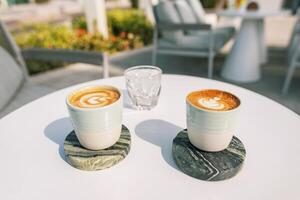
215 100
94 97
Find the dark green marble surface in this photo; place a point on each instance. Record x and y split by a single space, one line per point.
209 166
90 160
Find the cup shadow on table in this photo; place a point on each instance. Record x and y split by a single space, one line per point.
57 131
160 133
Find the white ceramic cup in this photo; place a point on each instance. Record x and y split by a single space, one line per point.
97 128
210 130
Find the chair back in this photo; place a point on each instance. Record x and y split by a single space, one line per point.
197 10
7 42
185 12
11 78
294 43
187 15
294 5
177 11
165 12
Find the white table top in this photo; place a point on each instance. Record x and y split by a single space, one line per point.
253 14
32 167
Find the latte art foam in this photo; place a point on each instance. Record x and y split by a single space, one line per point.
211 103
94 97
213 100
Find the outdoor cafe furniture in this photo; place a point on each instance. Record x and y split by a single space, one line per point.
14 80
184 31
293 56
33 166
249 51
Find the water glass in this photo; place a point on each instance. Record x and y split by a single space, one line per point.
143 85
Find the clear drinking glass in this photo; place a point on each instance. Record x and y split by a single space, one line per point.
143 85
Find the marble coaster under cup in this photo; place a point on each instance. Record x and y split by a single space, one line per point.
208 166
92 160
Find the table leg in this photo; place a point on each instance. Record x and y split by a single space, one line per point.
262 41
243 62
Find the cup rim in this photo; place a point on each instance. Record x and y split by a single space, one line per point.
92 109
143 66
214 111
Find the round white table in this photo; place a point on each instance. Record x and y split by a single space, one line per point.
249 50
33 166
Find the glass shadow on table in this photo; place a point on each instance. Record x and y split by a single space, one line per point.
57 131
160 133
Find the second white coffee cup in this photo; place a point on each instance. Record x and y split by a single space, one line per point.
210 130
97 128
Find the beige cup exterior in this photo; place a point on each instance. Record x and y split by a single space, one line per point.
97 128
210 130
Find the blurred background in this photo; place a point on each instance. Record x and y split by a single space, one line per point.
125 30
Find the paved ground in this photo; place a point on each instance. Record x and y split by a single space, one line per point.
278 32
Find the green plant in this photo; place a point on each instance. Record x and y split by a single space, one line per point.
35 67
123 21
41 1
129 29
133 21
134 4
209 3
79 22
45 35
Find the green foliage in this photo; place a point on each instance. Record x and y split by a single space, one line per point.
123 21
134 3
35 67
45 35
41 1
133 21
209 3
79 22
129 29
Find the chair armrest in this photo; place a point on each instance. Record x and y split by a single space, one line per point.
89 57
297 32
173 26
64 55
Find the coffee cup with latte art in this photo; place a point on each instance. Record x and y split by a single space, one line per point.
211 118
96 115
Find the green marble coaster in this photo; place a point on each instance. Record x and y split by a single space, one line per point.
90 160
208 166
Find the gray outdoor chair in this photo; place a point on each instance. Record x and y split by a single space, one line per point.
181 30
293 55
16 87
